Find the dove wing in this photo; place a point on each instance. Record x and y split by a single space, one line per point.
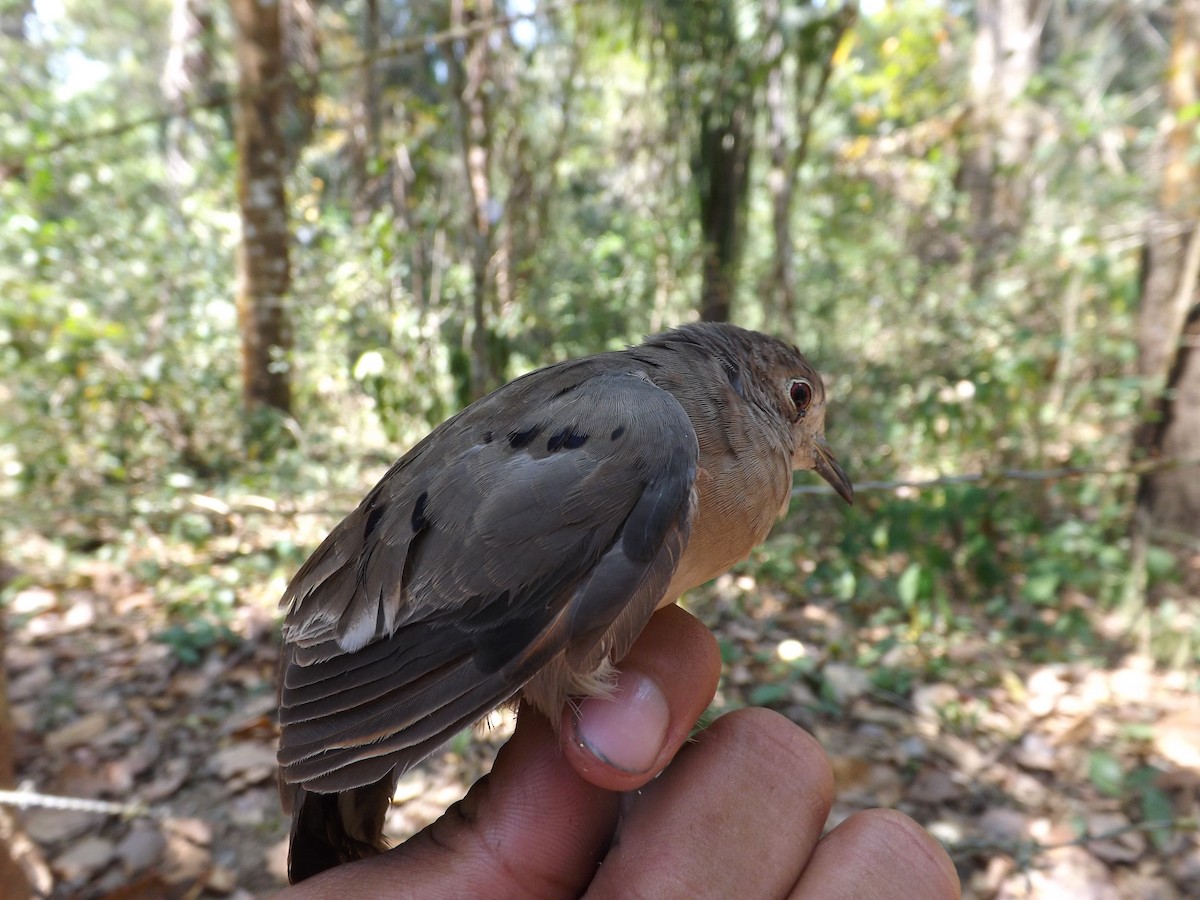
499 544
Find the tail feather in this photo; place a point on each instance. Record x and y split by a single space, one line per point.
331 829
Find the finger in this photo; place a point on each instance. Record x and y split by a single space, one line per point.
531 828
742 806
878 853
666 681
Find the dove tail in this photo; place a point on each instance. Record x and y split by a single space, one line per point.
331 829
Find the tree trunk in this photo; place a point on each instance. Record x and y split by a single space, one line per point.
721 170
1169 317
366 118
531 171
781 180
188 72
789 127
13 881
300 48
187 77
407 231
1004 58
13 15
473 71
264 271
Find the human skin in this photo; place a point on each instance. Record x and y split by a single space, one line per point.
621 804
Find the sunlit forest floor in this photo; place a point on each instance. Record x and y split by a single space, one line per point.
1045 778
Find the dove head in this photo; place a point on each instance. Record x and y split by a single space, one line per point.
798 394
780 385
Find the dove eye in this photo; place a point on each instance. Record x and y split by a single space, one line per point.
801 392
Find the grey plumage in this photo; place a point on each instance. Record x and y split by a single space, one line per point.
522 546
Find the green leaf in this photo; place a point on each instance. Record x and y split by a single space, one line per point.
908 587
1156 807
1042 589
770 694
1105 773
1160 563
1188 113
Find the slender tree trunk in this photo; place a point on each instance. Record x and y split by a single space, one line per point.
13 882
1004 59
188 71
13 15
721 170
473 81
372 96
1169 317
187 77
781 179
366 118
550 182
790 106
532 177
407 231
301 49
264 271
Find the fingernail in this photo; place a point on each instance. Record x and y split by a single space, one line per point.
627 729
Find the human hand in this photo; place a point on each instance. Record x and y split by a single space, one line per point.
738 812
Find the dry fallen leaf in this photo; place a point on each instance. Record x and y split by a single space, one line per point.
1177 738
934 786
243 764
1125 847
150 886
141 848
1036 752
80 731
184 860
84 858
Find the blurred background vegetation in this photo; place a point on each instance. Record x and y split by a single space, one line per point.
250 254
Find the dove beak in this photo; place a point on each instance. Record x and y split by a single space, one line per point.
829 469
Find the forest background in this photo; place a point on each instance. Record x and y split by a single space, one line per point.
251 253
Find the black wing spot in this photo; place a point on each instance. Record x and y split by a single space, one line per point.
521 439
566 439
617 432
419 522
373 518
487 436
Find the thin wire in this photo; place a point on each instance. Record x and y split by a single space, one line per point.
992 479
23 799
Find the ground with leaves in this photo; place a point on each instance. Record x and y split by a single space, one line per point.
1047 779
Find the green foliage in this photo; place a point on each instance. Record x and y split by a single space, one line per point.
119 341
189 643
1138 787
1026 558
114 304
1152 802
900 72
